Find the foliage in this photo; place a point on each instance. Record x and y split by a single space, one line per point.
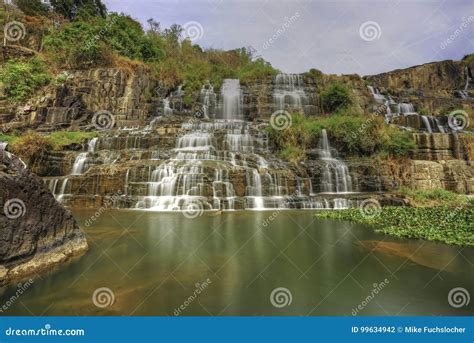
61 139
79 9
74 47
31 147
434 197
21 78
31 7
335 96
350 132
444 224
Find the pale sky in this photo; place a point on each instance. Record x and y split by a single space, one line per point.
323 34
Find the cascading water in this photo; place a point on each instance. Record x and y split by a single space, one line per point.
208 99
167 110
464 92
79 164
335 178
231 99
289 92
380 98
3 145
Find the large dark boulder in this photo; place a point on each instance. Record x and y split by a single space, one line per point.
36 232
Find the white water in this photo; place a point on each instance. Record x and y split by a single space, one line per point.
92 144
79 164
167 110
3 145
335 176
289 92
232 99
208 99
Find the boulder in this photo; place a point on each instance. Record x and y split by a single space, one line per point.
36 232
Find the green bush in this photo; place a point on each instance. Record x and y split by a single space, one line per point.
335 96
31 148
350 132
75 45
21 78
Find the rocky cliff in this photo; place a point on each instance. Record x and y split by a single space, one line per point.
127 93
36 232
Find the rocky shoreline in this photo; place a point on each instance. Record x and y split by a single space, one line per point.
36 232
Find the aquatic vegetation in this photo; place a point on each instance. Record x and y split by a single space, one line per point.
451 225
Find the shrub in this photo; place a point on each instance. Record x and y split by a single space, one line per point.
336 96
350 132
21 78
32 148
74 46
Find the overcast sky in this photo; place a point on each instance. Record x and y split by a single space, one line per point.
337 36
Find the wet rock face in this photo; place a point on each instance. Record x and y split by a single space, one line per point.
36 232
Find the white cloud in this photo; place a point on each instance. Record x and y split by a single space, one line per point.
326 34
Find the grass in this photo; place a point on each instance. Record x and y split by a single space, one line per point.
61 139
450 225
432 198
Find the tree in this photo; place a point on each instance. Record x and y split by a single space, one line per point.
31 7
72 9
336 96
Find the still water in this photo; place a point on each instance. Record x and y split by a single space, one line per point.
247 263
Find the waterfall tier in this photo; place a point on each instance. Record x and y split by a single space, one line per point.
211 165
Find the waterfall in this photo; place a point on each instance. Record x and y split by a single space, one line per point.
59 197
232 100
335 175
3 145
432 124
380 98
167 110
79 164
464 92
208 100
427 124
92 144
405 108
289 92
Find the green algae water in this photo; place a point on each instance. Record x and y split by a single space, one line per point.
246 263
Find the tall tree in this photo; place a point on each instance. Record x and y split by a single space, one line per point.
74 8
